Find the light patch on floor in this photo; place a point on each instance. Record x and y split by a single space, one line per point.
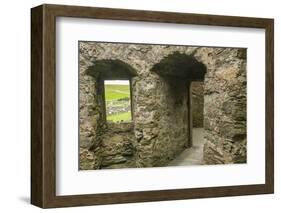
193 155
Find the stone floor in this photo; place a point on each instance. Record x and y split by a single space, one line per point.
193 155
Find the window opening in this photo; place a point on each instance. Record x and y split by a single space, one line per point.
118 100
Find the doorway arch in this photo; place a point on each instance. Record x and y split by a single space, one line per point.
182 68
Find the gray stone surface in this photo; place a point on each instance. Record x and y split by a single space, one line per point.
197 91
225 108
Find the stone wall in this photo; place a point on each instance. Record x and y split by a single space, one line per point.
197 91
160 119
225 107
159 131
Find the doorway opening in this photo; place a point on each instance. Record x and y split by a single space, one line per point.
189 73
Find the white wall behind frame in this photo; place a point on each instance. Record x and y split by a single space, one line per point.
15 110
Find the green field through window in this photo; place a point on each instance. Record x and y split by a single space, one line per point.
118 101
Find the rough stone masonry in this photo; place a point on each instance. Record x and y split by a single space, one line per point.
161 77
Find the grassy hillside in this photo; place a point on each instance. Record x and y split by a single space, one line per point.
118 110
115 92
